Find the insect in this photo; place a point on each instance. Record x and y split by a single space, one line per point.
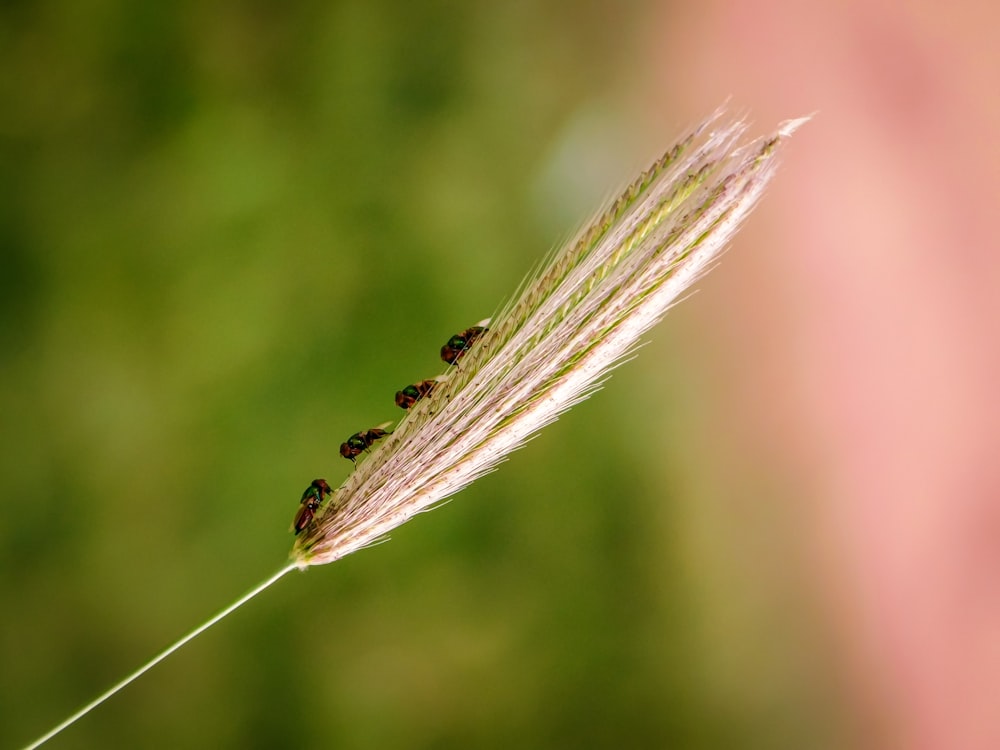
314 495
460 343
359 442
413 393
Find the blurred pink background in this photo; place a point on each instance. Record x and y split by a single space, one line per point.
866 336
781 521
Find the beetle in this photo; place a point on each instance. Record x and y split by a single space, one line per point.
460 343
413 393
312 498
359 442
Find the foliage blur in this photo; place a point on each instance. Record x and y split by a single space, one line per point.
228 234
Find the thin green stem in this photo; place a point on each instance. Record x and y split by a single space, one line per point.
159 657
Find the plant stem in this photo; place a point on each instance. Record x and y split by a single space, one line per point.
159 657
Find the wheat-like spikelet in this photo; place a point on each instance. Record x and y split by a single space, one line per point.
549 347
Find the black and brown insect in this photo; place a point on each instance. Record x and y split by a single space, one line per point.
359 442
413 393
312 498
460 343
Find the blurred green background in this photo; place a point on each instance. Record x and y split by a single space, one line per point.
228 233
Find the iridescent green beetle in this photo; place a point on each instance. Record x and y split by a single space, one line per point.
460 343
413 393
312 498
359 442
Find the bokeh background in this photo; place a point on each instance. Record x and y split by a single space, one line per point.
229 232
